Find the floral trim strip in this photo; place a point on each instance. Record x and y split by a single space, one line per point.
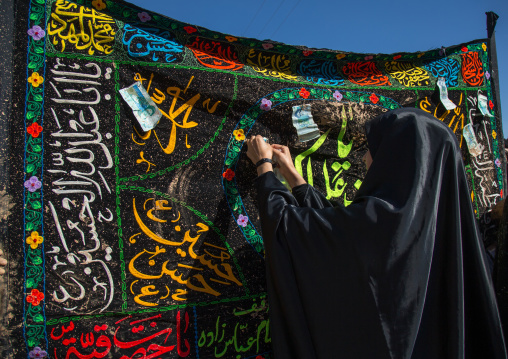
34 316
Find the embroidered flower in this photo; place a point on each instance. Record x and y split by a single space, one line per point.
144 16
484 47
304 93
35 298
421 54
33 184
98 328
340 56
34 240
465 49
35 79
307 52
34 129
373 98
337 95
242 220
367 58
36 32
231 38
491 104
396 57
98 4
494 134
229 174
487 75
442 52
498 162
37 353
190 29
267 46
266 105
239 135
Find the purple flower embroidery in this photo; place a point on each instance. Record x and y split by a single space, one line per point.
266 104
497 162
442 52
144 17
33 184
36 32
370 57
487 75
267 46
242 220
337 95
38 353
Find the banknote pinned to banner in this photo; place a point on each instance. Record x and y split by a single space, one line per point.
475 149
482 104
443 94
145 110
304 123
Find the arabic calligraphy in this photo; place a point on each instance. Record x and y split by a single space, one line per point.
81 28
180 263
80 205
472 69
271 64
337 185
454 117
144 45
447 68
407 73
247 332
365 74
215 54
320 72
134 336
179 116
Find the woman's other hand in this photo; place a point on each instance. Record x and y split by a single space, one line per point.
285 165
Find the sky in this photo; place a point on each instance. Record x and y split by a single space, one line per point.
369 26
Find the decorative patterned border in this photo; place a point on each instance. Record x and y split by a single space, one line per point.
34 321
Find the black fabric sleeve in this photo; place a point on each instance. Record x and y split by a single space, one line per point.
308 196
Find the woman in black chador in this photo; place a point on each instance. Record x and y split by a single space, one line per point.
400 273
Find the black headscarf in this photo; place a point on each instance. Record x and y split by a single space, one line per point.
399 273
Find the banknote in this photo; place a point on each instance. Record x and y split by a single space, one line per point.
443 94
145 110
475 149
304 123
482 105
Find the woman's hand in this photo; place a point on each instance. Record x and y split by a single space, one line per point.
257 149
286 167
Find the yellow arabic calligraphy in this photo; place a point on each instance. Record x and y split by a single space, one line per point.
82 27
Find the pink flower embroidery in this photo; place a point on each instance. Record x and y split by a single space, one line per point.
37 353
33 184
36 32
144 16
337 95
267 46
266 104
242 220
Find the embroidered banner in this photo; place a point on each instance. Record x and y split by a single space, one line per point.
133 244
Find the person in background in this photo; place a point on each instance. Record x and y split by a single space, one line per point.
400 273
